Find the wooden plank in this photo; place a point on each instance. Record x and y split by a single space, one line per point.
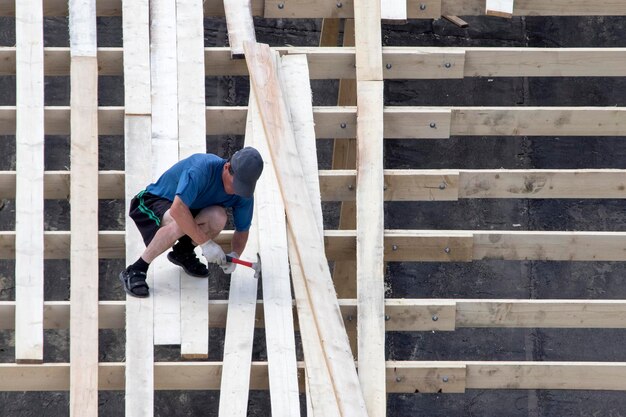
542 184
239 336
393 9
410 245
135 21
370 243
420 315
427 377
500 8
413 122
406 62
402 376
239 24
273 235
304 229
84 209
163 71
456 20
328 8
139 311
29 138
368 41
194 292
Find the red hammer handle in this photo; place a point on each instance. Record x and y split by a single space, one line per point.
239 261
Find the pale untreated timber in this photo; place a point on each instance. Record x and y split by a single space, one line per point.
240 25
192 139
401 376
404 314
29 155
501 8
367 33
393 9
328 8
370 271
303 225
136 59
409 122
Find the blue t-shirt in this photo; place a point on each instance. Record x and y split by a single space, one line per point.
197 181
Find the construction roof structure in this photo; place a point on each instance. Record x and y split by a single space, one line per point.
326 286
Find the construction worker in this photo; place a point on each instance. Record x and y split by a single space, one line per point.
188 204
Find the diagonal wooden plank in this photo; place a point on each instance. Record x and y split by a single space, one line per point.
29 138
194 298
304 229
238 340
139 375
239 24
84 210
501 8
163 71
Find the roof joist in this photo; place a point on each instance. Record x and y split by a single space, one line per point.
406 245
404 314
330 8
402 377
405 184
399 122
398 62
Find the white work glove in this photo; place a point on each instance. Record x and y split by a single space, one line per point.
213 252
229 267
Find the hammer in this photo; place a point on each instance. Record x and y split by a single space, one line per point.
256 266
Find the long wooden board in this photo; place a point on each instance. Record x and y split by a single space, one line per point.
240 25
194 293
239 336
139 375
501 8
84 210
302 223
29 219
163 71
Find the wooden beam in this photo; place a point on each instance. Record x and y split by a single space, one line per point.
192 139
326 62
501 8
370 221
329 8
404 314
239 24
400 122
456 20
393 10
239 337
84 209
368 43
29 221
302 223
401 376
139 371
163 74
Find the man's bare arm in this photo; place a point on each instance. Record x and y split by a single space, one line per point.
182 215
239 241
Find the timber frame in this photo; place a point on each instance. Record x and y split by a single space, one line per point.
359 248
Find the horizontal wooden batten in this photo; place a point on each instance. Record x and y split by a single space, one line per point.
405 185
398 62
406 245
400 122
402 376
403 314
416 9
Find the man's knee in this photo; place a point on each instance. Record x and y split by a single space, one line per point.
212 219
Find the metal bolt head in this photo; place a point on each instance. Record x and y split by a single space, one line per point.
394 247
343 125
433 125
442 186
339 5
281 5
398 379
447 250
387 318
388 66
422 6
385 187
445 379
350 318
350 187
447 65
435 317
